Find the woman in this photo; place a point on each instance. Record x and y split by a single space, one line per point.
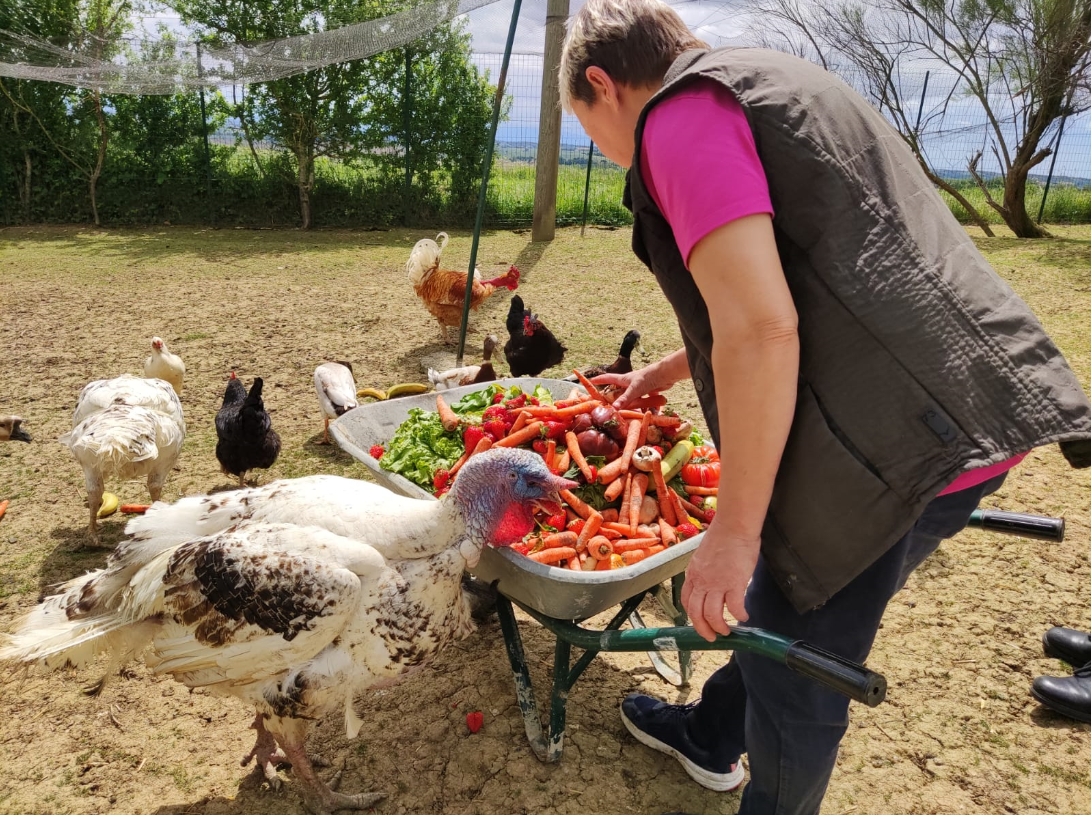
866 374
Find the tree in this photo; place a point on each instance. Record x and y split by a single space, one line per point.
344 110
1026 62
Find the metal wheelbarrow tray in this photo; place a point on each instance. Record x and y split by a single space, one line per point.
559 593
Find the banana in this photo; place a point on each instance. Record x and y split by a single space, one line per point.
109 505
406 389
374 393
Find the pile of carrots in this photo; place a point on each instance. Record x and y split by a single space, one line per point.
586 539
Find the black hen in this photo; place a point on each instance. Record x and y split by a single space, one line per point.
623 364
247 439
531 347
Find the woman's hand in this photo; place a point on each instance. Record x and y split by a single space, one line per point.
649 380
716 578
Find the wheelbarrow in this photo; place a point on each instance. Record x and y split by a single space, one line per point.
561 599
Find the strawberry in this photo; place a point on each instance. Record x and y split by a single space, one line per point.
495 428
472 435
685 530
497 398
521 547
557 521
554 430
498 412
376 451
539 446
576 525
475 720
534 401
440 479
710 514
516 402
594 473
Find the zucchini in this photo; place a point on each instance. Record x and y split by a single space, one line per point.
676 457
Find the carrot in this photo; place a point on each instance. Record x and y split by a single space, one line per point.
634 556
560 539
572 401
666 506
564 462
591 389
553 412
551 451
529 432
614 488
702 490
577 456
620 465
4 506
658 419
606 564
667 533
615 526
636 498
609 515
655 550
645 423
132 509
575 564
628 544
551 556
695 511
447 416
624 511
590 529
612 534
520 423
599 547
574 394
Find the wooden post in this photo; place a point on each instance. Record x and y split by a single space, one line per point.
549 126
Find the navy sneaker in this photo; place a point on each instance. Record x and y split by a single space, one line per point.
663 727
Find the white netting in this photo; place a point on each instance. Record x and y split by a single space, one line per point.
165 66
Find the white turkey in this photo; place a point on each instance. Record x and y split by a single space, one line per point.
125 428
162 364
293 618
336 389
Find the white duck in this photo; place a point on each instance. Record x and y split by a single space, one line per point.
336 389
125 428
162 364
293 618
467 374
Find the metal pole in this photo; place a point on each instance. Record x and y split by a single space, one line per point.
1052 164
587 186
208 152
406 109
920 109
485 180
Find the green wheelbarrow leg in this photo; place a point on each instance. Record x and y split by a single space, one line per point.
548 746
672 606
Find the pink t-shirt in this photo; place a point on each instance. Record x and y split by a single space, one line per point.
700 165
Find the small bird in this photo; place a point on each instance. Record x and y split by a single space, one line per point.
162 364
531 347
467 374
247 440
289 606
126 428
336 389
622 365
10 429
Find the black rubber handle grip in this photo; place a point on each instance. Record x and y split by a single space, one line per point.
836 673
1018 523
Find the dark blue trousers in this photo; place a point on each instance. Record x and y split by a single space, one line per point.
790 727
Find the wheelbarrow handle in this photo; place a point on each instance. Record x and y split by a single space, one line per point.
838 674
1019 523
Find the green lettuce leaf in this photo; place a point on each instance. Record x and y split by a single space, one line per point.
420 447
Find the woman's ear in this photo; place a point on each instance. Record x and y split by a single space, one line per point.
606 90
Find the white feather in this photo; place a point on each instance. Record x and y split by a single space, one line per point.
336 389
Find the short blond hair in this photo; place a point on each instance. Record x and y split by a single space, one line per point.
634 41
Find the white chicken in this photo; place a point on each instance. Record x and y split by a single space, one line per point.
336 389
162 364
293 618
125 428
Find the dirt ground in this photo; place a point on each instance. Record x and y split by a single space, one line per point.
959 732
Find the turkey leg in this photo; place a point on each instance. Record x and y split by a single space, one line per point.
266 752
318 795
